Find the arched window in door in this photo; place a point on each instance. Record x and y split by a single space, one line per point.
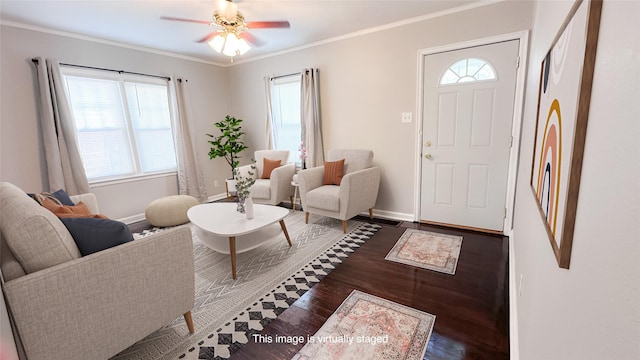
468 70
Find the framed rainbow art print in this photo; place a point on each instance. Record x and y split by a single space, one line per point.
564 96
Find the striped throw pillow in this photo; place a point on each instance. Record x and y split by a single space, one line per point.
333 172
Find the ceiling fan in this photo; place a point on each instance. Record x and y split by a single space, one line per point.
232 37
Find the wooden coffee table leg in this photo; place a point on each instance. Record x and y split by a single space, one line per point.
232 252
284 230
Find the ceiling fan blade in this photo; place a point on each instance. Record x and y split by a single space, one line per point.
186 20
268 24
251 39
209 37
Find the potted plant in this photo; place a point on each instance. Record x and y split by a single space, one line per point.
228 144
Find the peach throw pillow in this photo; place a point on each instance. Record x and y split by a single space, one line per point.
268 166
333 172
79 210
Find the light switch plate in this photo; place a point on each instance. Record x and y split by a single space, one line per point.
407 117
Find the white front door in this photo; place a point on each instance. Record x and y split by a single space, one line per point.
468 101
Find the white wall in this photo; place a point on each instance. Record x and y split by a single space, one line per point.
366 83
592 310
21 153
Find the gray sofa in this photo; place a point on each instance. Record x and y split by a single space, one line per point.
65 306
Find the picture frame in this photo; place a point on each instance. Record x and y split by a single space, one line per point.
564 95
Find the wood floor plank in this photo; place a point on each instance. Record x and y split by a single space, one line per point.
471 307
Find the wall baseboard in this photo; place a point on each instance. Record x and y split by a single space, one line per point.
383 214
132 219
217 197
514 349
391 215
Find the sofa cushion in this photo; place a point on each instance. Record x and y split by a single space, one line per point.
261 189
333 171
37 238
94 234
325 197
268 166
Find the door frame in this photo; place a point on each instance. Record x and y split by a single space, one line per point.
516 127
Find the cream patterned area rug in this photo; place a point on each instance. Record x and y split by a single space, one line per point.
270 278
369 327
427 250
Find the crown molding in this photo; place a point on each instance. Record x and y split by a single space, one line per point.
73 35
374 29
385 27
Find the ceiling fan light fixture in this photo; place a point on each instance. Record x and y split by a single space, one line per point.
218 43
243 46
227 10
229 44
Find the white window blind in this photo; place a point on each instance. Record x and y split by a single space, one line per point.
123 123
285 107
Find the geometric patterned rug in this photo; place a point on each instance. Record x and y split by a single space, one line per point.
369 327
427 250
270 278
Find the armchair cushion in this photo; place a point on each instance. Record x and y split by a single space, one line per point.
261 189
325 198
268 167
93 234
333 172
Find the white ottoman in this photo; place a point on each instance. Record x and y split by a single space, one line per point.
170 210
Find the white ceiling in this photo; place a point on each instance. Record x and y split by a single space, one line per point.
138 22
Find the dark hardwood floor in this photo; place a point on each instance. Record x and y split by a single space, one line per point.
471 307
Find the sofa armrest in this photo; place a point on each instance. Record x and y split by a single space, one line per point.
359 191
308 180
98 305
89 199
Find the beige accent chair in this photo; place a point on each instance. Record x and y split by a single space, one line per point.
278 187
65 306
357 192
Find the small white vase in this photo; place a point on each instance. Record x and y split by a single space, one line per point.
248 207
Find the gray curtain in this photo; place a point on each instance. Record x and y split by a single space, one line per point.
64 165
268 128
190 175
311 118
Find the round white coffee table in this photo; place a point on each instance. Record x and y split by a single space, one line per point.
227 231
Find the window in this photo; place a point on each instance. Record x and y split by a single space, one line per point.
285 108
468 70
123 123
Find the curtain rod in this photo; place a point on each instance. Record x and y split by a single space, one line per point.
35 61
286 75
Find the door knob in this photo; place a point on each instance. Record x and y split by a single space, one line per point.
427 143
427 156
